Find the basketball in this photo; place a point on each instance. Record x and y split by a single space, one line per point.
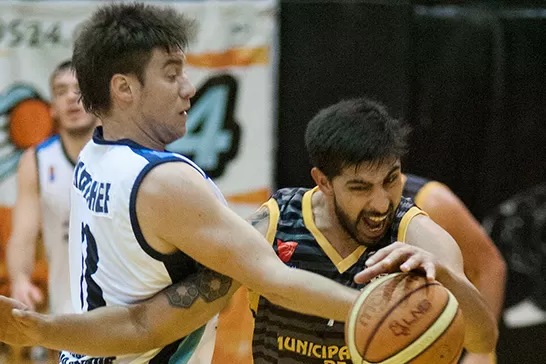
30 123
403 318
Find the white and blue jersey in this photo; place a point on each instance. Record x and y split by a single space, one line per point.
55 171
111 262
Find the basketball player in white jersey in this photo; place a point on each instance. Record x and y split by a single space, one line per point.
44 178
143 219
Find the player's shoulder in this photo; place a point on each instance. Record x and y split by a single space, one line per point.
175 170
170 181
437 195
47 143
288 195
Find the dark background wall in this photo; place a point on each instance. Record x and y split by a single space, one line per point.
330 51
470 79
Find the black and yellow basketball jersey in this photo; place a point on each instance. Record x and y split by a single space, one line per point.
282 336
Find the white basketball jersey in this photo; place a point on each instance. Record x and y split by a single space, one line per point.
55 172
111 262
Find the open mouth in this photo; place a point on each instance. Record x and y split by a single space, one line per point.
375 224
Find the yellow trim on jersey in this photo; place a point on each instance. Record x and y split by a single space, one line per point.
342 264
274 214
493 358
408 216
423 193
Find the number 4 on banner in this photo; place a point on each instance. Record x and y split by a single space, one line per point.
212 136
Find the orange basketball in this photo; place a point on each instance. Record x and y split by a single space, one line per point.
402 318
30 123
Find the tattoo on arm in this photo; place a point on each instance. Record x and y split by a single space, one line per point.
206 283
262 214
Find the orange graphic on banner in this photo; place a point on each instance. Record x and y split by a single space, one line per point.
256 197
230 58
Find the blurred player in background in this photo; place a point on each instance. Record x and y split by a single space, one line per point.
44 178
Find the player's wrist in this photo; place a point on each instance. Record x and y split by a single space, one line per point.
445 275
20 279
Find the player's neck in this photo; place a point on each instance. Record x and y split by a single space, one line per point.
117 128
74 143
328 224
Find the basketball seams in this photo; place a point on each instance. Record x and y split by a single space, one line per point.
423 342
394 307
396 283
351 322
452 321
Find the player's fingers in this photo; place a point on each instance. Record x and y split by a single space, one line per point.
412 263
369 273
392 262
430 269
382 253
10 303
24 317
26 299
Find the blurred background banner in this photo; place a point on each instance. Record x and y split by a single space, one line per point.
230 62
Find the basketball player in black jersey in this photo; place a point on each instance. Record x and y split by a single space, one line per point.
356 209
484 266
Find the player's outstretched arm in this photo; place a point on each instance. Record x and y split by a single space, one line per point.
153 323
170 315
432 250
193 220
483 263
21 247
197 223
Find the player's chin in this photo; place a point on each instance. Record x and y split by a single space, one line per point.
174 134
79 128
370 237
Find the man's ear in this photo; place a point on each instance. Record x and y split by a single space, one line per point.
322 181
122 89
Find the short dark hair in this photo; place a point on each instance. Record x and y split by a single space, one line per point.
120 38
61 67
353 132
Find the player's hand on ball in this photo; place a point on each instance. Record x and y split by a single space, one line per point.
398 257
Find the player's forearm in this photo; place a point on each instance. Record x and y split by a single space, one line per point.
103 332
311 294
492 285
117 330
20 255
481 331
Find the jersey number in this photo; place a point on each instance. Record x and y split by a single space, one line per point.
212 137
89 267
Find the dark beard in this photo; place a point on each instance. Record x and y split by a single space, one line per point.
351 228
